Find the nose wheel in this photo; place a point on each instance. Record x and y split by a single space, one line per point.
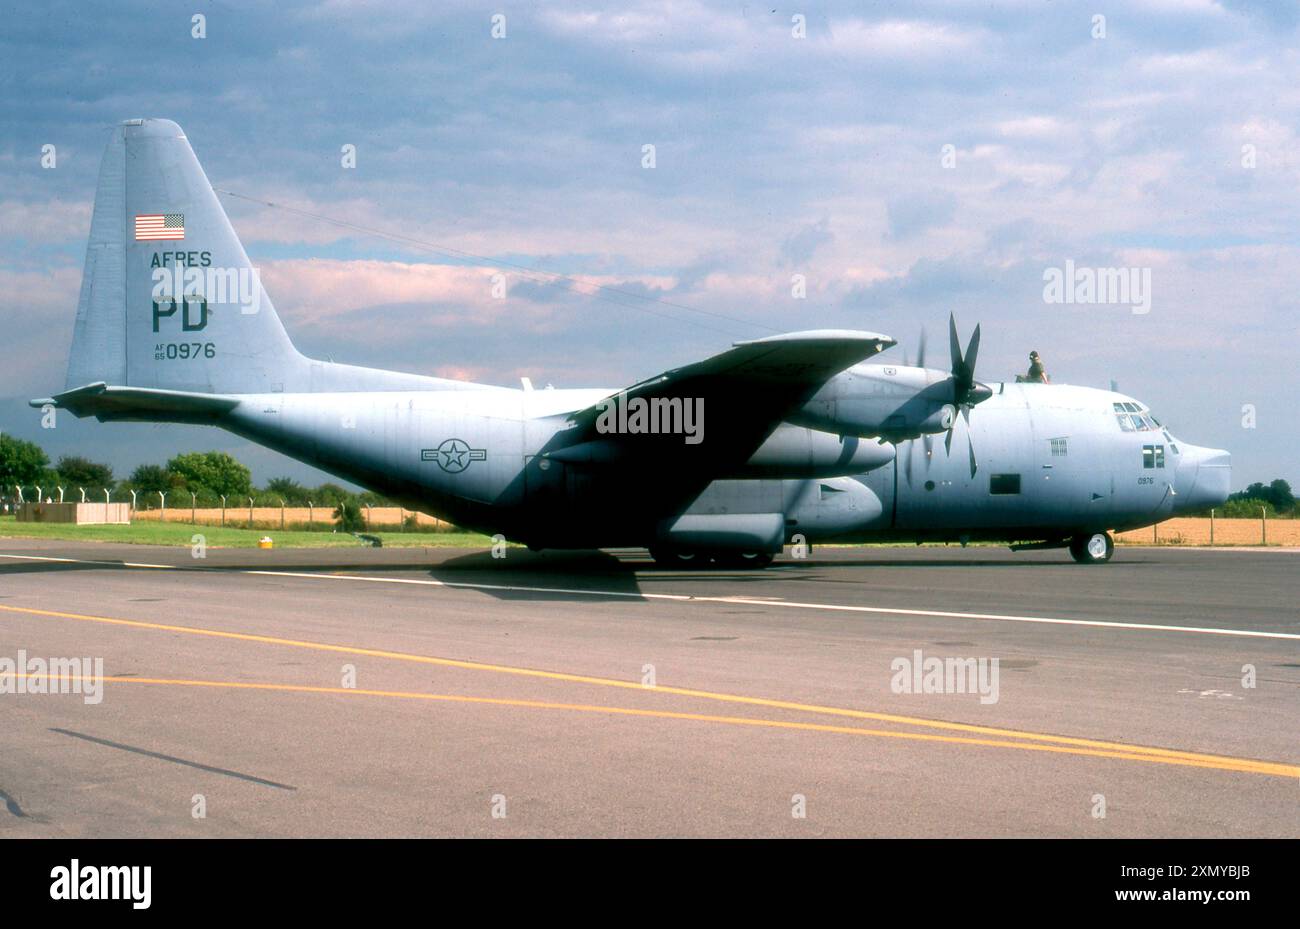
1092 549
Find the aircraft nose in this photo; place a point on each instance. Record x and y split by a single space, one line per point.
1204 478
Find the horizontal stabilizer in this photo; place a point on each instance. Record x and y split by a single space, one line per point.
140 403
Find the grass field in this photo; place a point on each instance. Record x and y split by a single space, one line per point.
154 533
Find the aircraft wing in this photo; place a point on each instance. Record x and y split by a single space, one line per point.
740 396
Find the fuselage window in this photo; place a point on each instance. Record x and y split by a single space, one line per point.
1060 448
1153 456
1004 484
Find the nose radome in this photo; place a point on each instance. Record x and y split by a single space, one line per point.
1216 458
1206 477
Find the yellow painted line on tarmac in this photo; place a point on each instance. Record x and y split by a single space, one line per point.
1113 747
1238 765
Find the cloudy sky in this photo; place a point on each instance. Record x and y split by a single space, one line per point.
906 160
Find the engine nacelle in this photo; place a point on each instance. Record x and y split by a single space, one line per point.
885 401
795 452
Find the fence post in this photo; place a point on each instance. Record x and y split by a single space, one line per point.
194 517
40 497
223 511
1263 525
282 516
19 488
60 494
311 515
250 512
133 502
162 507
367 517
108 496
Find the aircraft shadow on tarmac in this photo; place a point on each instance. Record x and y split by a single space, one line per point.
568 575
559 575
572 575
46 567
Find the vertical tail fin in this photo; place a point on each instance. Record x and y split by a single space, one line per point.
168 298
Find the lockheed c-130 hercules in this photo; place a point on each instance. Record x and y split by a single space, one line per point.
790 437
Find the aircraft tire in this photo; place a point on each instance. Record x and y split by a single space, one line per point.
1096 548
679 559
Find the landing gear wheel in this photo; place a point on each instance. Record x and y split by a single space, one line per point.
678 558
1092 549
751 560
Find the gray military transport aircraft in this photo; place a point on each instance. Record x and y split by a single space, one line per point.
789 438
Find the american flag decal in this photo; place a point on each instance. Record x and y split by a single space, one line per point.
152 226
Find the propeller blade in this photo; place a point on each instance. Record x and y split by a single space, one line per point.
972 351
954 346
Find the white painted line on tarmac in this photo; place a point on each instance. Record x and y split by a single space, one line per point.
729 599
794 604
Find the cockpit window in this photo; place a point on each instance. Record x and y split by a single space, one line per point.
1133 418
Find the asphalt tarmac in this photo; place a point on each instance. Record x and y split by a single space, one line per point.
442 692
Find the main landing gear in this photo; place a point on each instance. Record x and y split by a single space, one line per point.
686 559
1092 549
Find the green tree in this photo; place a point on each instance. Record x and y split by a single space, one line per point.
1280 495
330 495
149 479
1276 495
21 462
76 471
216 472
348 518
1244 508
287 489
1255 491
